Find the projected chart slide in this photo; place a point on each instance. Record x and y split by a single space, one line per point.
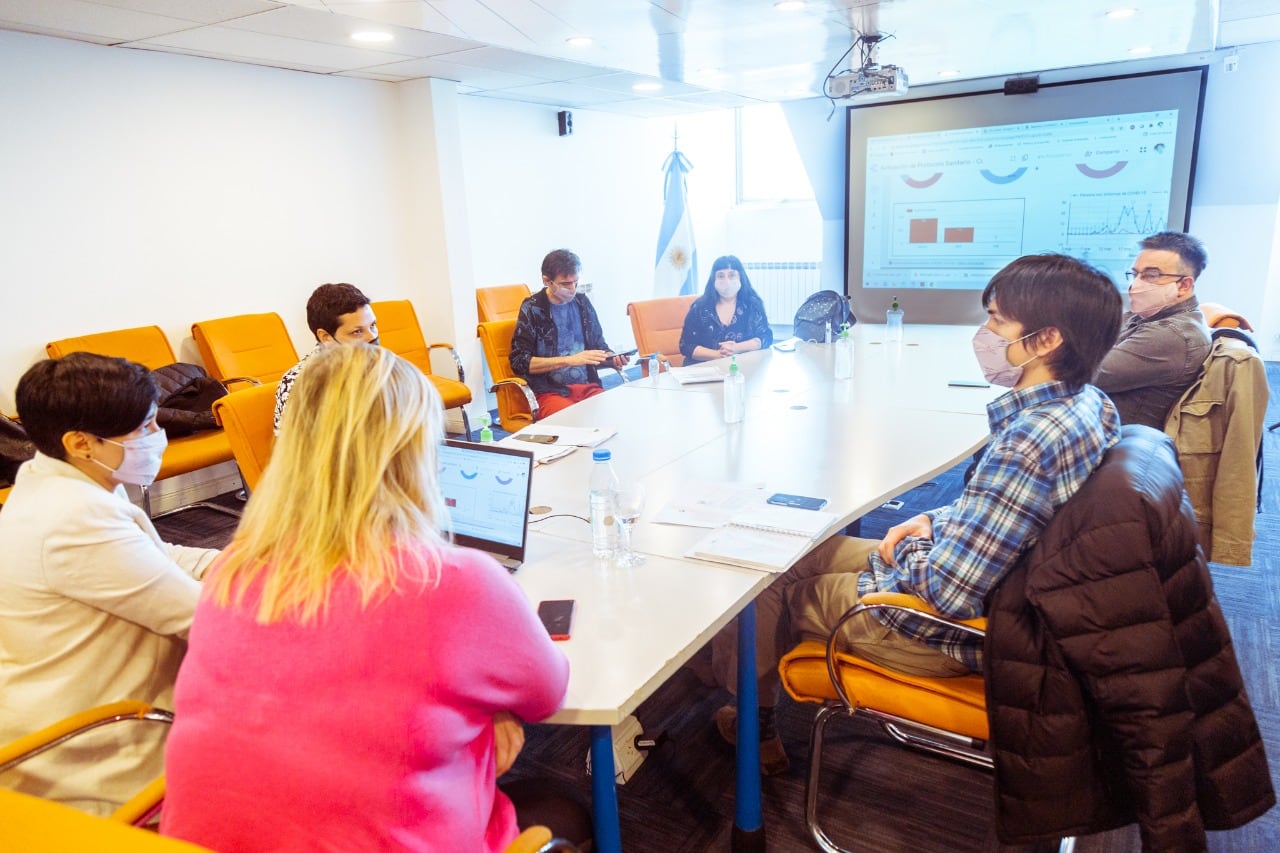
947 209
939 233
1104 228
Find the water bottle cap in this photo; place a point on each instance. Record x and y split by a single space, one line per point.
895 303
601 455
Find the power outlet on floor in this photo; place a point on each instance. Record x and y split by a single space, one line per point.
626 758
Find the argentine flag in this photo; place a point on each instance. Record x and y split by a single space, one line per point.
675 270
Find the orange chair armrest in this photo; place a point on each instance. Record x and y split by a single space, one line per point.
906 601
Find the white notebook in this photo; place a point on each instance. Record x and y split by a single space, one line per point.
769 538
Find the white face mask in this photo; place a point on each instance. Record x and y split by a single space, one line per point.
728 287
142 457
1148 299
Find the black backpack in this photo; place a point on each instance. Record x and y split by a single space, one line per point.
824 310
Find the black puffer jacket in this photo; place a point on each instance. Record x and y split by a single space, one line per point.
1112 687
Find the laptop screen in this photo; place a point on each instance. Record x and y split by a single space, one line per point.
486 490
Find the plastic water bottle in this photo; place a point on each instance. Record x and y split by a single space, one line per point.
844 353
486 433
893 324
654 364
735 393
603 498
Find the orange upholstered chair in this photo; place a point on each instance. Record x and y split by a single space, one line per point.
141 807
400 332
517 407
248 346
248 418
657 324
500 302
947 716
148 346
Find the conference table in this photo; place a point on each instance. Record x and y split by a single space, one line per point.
856 442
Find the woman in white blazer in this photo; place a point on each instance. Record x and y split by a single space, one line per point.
94 607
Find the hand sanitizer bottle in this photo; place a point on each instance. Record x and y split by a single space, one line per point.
844 353
735 393
893 324
486 432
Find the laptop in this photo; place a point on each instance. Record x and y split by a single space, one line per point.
486 490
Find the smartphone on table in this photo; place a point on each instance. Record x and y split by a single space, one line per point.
797 501
557 617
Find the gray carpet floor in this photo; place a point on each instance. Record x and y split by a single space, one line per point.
878 796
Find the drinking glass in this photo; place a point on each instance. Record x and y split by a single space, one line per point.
627 512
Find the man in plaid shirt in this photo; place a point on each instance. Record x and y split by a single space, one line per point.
1051 320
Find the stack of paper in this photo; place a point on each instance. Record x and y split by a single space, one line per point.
694 374
771 538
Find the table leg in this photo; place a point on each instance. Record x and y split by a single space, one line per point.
748 824
604 794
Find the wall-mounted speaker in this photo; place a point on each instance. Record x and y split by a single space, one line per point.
565 118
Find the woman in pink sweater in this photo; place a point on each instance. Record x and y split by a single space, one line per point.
353 681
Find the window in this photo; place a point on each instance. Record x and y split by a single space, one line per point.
769 165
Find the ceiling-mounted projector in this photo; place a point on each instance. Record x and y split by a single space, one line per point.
873 80
870 77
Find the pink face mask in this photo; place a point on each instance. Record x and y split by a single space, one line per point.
1148 299
993 357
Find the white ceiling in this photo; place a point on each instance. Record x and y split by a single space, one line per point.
699 54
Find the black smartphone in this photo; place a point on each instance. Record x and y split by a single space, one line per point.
557 617
797 501
539 439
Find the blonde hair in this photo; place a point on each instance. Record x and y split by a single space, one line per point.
352 476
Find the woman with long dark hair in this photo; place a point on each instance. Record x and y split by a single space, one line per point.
728 318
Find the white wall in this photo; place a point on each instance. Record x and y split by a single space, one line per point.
142 188
597 192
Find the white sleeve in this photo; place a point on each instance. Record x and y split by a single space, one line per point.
108 560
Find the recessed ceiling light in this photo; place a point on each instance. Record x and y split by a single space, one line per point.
948 73
372 36
646 87
1140 50
579 41
1124 12
789 5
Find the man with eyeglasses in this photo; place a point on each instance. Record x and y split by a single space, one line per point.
1164 340
558 343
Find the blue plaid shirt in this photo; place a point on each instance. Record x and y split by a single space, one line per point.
1045 442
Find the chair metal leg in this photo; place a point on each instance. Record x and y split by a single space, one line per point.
815 771
466 422
146 507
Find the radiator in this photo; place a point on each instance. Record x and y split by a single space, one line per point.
784 285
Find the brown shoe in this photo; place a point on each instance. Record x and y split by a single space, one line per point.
773 757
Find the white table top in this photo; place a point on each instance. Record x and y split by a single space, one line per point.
855 442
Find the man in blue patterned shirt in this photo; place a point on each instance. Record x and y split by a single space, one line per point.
558 343
1051 319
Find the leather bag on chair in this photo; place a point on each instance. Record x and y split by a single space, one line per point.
186 399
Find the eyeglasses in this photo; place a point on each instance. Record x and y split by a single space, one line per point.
1150 275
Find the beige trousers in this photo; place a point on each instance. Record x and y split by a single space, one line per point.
804 603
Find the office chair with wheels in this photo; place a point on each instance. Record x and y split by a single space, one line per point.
139 809
400 332
248 418
500 302
255 347
657 324
148 346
